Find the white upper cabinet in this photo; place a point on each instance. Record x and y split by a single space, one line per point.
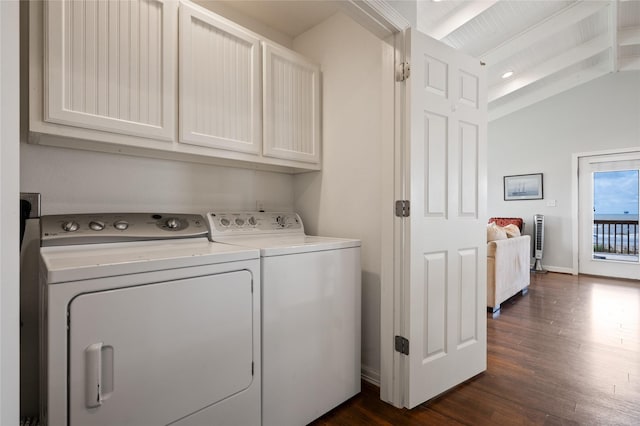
291 105
110 66
220 91
169 79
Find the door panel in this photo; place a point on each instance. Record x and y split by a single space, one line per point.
435 297
220 92
446 153
468 146
291 105
152 354
468 306
110 66
615 250
435 159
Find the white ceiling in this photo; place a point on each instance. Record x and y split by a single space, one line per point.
551 46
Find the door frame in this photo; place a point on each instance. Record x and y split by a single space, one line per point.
575 207
9 218
385 22
390 26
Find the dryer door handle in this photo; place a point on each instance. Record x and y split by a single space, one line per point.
93 391
99 374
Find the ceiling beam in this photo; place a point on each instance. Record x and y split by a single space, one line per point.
553 65
459 17
549 90
613 35
566 17
629 36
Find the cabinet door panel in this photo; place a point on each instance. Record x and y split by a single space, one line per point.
110 66
291 106
219 83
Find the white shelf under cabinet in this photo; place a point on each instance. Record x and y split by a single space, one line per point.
291 104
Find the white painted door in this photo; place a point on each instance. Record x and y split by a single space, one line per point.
608 187
220 91
291 105
110 66
154 354
445 295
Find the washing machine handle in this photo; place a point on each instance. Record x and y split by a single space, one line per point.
99 374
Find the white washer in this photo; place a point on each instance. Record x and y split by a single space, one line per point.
146 322
311 301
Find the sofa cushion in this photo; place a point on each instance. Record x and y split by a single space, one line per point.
495 232
512 230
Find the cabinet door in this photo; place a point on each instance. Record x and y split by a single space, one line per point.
110 66
291 106
219 83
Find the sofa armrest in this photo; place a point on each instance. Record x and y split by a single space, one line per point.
508 263
521 244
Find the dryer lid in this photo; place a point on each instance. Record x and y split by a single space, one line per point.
83 262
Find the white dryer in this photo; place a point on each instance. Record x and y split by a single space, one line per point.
146 322
311 301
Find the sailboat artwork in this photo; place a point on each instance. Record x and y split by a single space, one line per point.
523 187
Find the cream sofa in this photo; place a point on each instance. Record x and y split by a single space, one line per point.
508 269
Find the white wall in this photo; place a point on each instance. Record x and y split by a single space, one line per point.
9 231
344 199
601 115
84 181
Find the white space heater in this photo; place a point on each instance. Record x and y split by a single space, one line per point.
538 243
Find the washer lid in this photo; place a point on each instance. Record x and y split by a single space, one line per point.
290 244
82 262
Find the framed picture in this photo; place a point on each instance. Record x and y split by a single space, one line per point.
523 187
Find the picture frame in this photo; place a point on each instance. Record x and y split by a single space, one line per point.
523 187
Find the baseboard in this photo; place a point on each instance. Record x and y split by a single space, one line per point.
558 269
370 375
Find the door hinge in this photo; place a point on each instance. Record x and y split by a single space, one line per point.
403 208
402 345
403 71
252 365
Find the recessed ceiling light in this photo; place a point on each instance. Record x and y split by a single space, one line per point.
507 74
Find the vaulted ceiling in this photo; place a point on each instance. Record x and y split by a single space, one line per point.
550 46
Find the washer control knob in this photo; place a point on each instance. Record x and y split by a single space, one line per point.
70 226
252 221
224 221
281 220
96 225
121 225
172 223
239 221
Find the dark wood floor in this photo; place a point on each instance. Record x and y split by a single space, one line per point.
567 353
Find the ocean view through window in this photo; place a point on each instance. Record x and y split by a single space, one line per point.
615 215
